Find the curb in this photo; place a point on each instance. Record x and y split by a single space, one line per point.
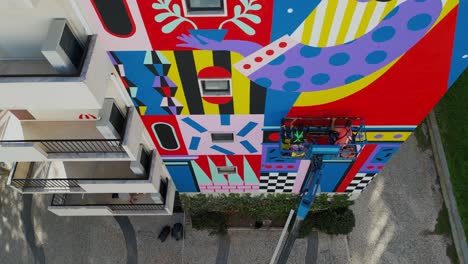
447 191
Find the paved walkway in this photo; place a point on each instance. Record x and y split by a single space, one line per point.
395 219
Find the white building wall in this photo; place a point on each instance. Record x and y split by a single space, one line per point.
117 186
80 210
23 29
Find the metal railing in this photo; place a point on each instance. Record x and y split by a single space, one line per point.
74 145
44 183
135 207
61 200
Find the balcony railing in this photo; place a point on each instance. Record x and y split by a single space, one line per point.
73 145
61 200
44 183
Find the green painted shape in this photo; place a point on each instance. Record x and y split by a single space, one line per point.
249 174
133 91
217 178
200 174
148 58
233 178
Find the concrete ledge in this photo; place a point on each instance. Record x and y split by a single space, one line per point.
447 191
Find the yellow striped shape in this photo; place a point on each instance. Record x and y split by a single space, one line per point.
203 59
366 18
240 88
308 25
346 22
175 77
327 23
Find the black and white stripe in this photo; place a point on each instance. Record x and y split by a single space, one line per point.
360 182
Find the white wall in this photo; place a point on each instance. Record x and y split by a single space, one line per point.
133 133
122 186
21 152
22 30
80 210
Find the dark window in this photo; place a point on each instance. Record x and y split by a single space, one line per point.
71 46
205 5
166 136
222 137
227 170
216 87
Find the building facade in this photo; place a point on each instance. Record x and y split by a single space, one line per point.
155 96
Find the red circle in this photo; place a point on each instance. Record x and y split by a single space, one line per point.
370 167
290 166
279 166
258 59
268 166
380 167
270 52
247 66
274 136
283 44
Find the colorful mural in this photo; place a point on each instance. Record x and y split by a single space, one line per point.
212 83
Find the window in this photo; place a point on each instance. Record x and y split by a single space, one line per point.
227 170
166 136
215 87
205 7
222 137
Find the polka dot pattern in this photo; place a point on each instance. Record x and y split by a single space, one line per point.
376 57
294 72
339 59
291 86
310 52
353 78
383 34
392 13
264 82
320 79
419 22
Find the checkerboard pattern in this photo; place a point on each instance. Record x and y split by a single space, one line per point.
360 182
277 182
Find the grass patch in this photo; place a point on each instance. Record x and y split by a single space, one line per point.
453 124
443 228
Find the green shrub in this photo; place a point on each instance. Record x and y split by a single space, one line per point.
215 222
335 222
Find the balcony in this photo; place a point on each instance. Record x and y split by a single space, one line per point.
115 135
160 203
36 84
88 177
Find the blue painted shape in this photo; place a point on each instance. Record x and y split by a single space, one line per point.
353 78
246 129
225 120
338 59
277 106
383 34
376 57
384 154
141 77
194 142
264 82
325 149
291 86
284 22
309 51
183 178
460 46
419 22
222 150
248 146
320 79
332 172
392 13
278 61
294 72
214 34
189 121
